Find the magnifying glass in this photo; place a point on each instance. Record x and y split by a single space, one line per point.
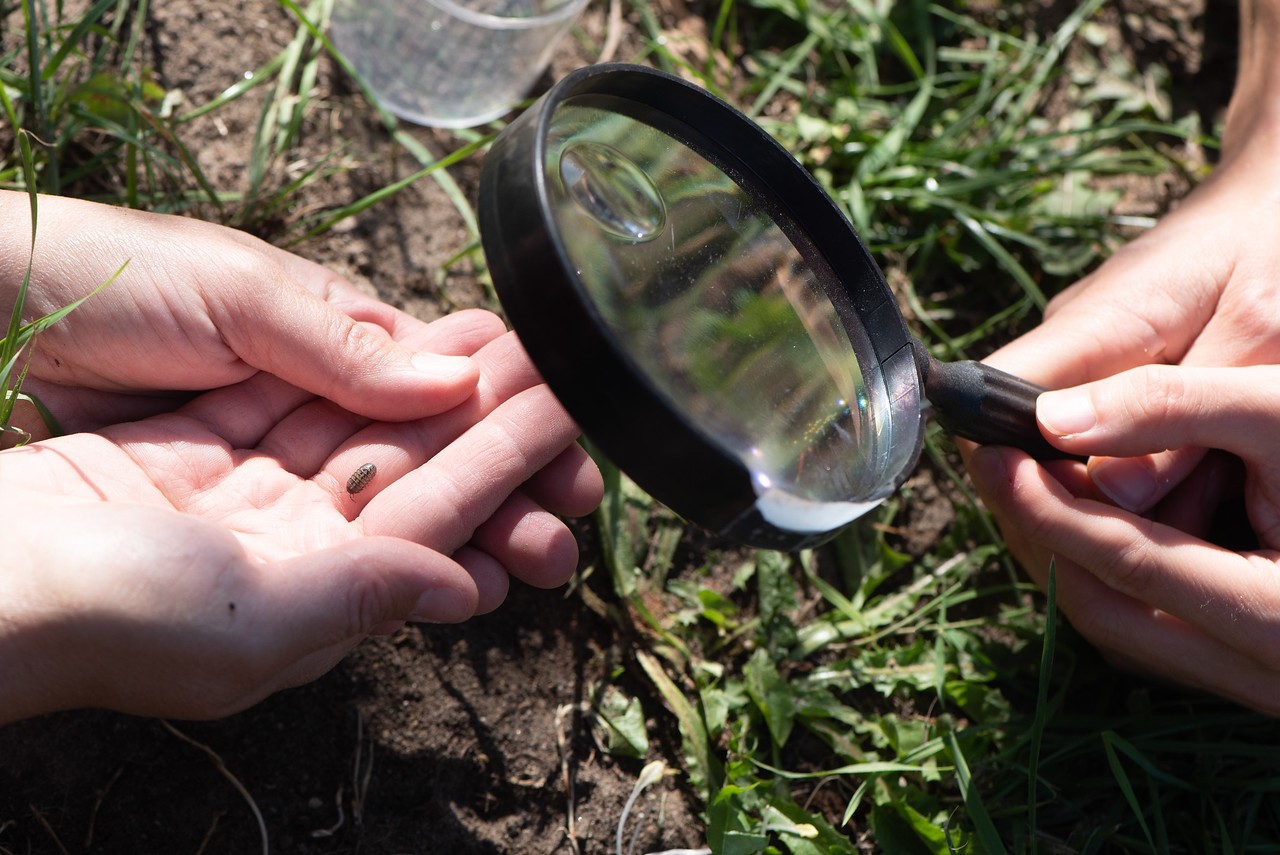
708 316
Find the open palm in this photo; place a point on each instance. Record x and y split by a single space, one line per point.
212 555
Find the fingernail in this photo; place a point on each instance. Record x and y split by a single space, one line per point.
1129 482
1066 413
442 605
441 366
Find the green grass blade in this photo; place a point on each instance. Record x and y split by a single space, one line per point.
388 120
75 38
1052 55
252 80
10 397
11 344
1041 717
269 125
890 146
705 765
50 421
1126 787
777 79
42 323
36 102
1004 258
985 830
459 199
384 193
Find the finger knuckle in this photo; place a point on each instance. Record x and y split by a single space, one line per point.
1249 314
1098 620
241 259
1136 566
358 344
1036 519
1156 393
369 602
449 525
1263 498
483 321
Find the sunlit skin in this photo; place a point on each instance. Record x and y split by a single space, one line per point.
1187 319
190 545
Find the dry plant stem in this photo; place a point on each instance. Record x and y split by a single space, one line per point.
613 32
361 772
44 823
361 775
226 773
650 774
342 816
209 832
566 774
97 806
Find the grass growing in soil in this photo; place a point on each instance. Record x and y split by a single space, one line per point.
881 693
893 691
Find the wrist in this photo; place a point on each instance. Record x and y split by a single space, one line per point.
1254 110
26 689
31 676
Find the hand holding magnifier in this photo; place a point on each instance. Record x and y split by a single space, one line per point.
708 316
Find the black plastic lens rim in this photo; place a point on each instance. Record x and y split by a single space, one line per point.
600 386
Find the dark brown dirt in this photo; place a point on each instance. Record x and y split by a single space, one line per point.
468 739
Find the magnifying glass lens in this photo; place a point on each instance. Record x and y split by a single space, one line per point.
722 306
707 314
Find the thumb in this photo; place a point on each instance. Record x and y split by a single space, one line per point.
1144 305
307 342
339 595
303 615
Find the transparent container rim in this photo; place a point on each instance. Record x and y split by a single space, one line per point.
566 10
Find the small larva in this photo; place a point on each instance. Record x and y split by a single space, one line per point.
361 478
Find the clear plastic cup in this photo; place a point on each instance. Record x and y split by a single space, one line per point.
451 63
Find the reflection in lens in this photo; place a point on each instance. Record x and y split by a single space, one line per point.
718 307
612 190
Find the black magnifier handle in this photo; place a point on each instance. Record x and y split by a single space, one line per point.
986 405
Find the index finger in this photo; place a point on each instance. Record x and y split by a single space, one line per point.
1161 407
444 501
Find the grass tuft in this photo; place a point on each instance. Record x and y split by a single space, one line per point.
882 693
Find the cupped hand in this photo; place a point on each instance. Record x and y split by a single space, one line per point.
1199 289
1148 590
191 563
199 306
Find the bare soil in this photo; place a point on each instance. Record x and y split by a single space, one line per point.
467 739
